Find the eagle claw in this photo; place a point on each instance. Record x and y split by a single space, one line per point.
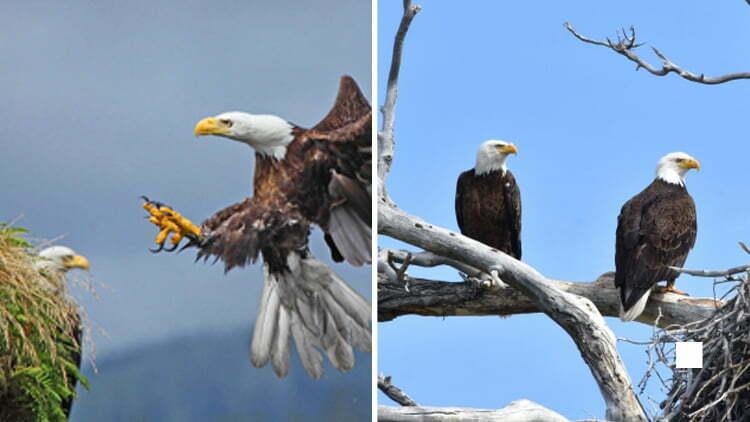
171 225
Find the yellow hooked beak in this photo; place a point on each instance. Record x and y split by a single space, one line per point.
78 261
508 149
211 126
691 164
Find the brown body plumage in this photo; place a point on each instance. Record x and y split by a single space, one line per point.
488 209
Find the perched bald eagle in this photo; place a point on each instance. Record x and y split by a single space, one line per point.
655 230
488 201
56 261
303 177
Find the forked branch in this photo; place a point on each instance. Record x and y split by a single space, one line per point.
626 46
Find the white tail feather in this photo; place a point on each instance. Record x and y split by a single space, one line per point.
636 310
265 323
280 352
319 311
352 236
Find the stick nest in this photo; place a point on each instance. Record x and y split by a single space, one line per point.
720 391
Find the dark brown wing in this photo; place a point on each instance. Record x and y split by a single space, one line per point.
350 106
513 208
337 155
656 229
461 186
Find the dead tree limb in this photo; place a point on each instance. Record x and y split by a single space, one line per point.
516 411
445 299
575 314
626 46
386 137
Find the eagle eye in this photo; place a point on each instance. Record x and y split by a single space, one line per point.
679 160
226 122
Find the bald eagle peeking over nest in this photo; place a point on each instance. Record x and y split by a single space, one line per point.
56 261
303 177
656 230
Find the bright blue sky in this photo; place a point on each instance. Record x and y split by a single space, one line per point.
99 105
590 130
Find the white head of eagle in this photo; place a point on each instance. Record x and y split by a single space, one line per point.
267 134
61 259
492 155
673 167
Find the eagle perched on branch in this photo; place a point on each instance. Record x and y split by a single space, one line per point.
303 177
656 229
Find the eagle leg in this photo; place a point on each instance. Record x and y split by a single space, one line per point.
669 288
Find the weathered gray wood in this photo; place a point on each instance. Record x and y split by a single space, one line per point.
443 299
386 137
394 393
575 314
517 411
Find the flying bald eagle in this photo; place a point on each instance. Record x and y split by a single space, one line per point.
655 230
303 177
488 201
56 261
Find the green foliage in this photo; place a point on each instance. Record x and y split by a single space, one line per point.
39 352
14 235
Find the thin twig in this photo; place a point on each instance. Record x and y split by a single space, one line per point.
626 45
714 273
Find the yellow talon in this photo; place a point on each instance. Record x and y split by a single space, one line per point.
176 238
171 224
162 236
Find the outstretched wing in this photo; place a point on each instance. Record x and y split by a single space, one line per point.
340 156
349 107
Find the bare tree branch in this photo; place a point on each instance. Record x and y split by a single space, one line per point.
626 46
386 138
444 299
429 259
517 411
714 273
575 314
394 393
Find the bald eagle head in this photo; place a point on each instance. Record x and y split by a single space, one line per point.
492 155
268 135
60 260
673 167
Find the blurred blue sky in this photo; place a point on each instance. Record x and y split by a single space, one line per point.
590 130
99 105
